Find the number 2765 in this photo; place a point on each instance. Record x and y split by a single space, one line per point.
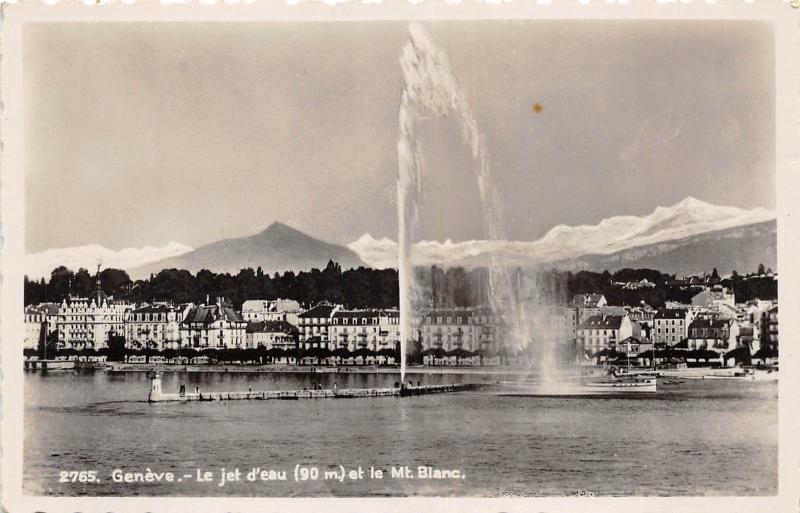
73 476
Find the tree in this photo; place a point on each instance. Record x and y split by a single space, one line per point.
116 348
82 283
115 282
60 283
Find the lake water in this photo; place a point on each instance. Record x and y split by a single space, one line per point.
712 437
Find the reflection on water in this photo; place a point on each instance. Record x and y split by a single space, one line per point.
690 439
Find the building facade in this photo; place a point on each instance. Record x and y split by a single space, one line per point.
713 333
40 321
470 329
713 297
216 326
156 326
365 329
89 322
670 326
769 329
313 326
260 310
271 335
600 332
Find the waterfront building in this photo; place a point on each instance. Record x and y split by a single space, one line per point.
747 337
89 322
365 329
470 329
769 329
271 335
40 321
213 326
671 325
644 316
155 326
259 310
313 326
634 345
604 331
713 333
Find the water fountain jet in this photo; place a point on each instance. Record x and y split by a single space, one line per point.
430 89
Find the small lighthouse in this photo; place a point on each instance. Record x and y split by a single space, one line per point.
155 386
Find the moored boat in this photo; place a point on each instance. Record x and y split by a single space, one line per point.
622 386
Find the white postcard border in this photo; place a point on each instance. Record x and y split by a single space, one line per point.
786 21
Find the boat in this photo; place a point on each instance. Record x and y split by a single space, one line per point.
748 374
736 375
622 386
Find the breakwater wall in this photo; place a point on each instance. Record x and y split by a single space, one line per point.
156 395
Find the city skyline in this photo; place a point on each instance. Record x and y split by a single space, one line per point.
241 146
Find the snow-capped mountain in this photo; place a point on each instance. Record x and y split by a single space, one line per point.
38 265
686 218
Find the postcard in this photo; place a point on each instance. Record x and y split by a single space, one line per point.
524 256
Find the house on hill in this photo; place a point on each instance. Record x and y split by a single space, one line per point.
589 300
713 298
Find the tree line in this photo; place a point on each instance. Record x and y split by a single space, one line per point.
437 287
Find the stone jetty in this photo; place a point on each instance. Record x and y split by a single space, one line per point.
157 395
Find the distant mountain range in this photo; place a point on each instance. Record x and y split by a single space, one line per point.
278 248
741 248
689 237
622 241
40 265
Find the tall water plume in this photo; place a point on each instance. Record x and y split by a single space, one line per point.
430 89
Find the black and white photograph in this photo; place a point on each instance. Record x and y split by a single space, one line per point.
402 257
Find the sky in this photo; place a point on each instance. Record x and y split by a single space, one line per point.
146 133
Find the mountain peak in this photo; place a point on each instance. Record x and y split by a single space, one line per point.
279 228
277 248
691 203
